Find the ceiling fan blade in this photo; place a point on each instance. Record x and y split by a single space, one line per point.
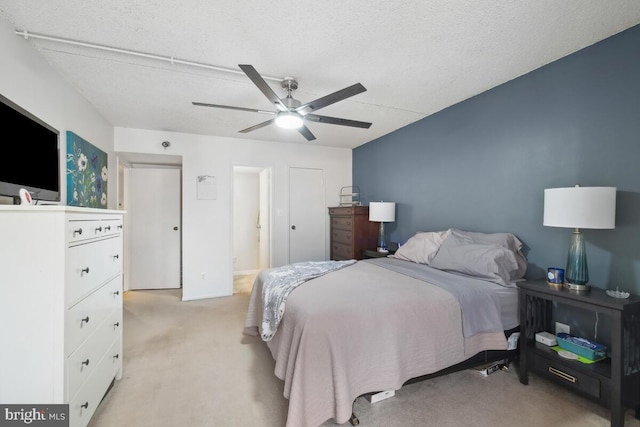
304 131
332 98
257 80
337 121
258 126
230 107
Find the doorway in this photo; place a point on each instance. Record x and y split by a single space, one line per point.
251 225
152 200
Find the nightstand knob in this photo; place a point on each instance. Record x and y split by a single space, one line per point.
293 227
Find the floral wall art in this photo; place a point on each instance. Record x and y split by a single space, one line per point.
87 173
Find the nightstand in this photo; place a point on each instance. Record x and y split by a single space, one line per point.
615 381
372 253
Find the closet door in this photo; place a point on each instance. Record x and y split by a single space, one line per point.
307 215
154 213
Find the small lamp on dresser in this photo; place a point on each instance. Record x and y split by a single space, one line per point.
579 207
382 212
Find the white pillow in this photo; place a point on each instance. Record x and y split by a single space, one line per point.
421 247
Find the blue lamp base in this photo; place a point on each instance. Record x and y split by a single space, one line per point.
577 273
382 242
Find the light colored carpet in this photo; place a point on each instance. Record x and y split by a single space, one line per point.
188 364
243 283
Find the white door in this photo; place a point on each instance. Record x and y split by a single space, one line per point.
307 215
154 213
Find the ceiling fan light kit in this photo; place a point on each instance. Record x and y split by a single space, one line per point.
289 120
291 113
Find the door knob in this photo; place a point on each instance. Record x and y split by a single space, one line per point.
293 227
175 228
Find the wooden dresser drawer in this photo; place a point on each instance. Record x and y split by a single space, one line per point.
342 236
562 374
342 223
84 317
341 211
90 265
341 252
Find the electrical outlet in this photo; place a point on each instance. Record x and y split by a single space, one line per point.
562 327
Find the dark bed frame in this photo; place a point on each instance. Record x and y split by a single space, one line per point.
482 358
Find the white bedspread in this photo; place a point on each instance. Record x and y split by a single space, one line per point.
361 329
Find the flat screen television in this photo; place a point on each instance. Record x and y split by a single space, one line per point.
29 156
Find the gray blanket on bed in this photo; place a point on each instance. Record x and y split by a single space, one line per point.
473 295
280 282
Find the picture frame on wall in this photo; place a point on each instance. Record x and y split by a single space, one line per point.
87 173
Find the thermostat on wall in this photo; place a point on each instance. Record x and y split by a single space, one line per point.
546 338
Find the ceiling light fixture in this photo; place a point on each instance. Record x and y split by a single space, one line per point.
289 120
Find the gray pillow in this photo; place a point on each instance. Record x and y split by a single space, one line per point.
421 247
485 261
506 240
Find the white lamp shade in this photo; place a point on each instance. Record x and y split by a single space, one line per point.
580 207
382 211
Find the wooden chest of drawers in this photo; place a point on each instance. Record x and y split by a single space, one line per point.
351 232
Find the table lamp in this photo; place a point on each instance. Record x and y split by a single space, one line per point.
579 207
382 212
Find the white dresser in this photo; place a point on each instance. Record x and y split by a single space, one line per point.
60 306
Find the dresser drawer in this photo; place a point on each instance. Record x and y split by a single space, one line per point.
562 374
342 236
84 317
345 211
342 223
90 265
80 229
82 362
341 252
86 400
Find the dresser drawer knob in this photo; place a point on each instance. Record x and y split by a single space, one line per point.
98 229
84 270
78 231
115 325
120 227
116 256
84 320
107 228
116 293
85 405
86 362
116 356
562 375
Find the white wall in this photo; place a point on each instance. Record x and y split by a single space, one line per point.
28 80
207 224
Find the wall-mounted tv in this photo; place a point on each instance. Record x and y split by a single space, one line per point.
29 156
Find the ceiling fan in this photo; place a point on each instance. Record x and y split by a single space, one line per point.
291 113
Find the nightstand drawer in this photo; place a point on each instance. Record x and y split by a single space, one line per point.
560 373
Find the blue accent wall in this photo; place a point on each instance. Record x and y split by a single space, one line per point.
482 164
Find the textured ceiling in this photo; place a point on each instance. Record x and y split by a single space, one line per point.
415 57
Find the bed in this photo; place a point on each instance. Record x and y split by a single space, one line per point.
343 329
